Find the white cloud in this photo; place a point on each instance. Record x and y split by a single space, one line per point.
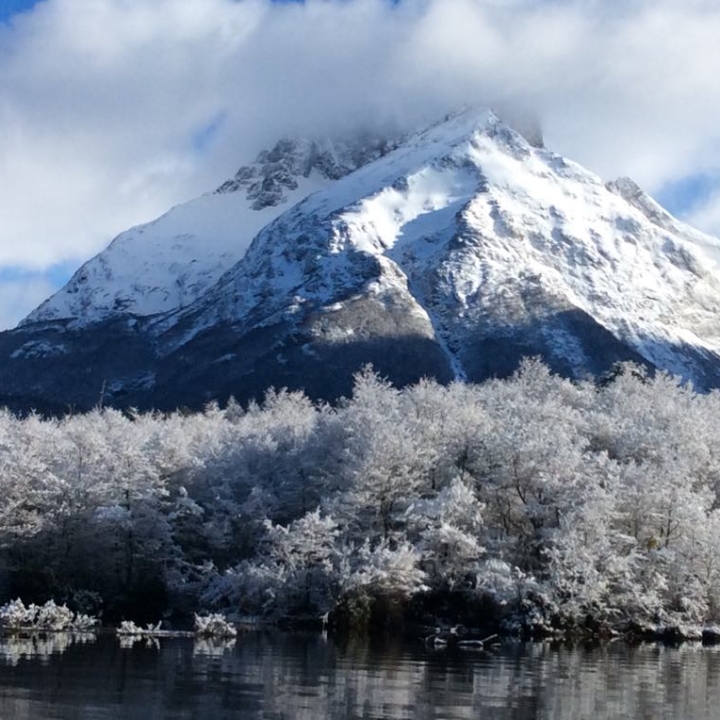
102 102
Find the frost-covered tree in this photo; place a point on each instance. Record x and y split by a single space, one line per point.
294 573
387 571
378 466
531 471
446 530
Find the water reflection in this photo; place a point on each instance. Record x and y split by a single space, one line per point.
130 641
39 646
309 677
214 647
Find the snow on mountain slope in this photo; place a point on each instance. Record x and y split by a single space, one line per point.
487 234
167 264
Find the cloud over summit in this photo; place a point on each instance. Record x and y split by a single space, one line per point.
113 110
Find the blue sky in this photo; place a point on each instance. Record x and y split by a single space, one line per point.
8 8
112 112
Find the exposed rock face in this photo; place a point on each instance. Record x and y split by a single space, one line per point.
453 255
275 174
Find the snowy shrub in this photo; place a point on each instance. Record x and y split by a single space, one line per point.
506 585
15 615
84 623
48 617
386 572
128 627
248 587
214 625
54 617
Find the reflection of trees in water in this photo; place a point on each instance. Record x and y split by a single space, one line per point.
208 646
308 677
39 646
127 642
213 647
523 682
614 680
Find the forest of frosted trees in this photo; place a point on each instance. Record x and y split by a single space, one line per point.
530 501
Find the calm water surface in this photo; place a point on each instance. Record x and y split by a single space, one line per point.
309 677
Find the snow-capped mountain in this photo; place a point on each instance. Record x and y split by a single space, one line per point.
168 263
456 253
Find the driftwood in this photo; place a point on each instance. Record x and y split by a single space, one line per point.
458 637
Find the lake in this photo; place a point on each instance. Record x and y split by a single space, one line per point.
273 675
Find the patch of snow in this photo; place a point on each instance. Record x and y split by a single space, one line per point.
39 348
228 357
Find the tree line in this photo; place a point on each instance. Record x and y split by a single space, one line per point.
533 500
